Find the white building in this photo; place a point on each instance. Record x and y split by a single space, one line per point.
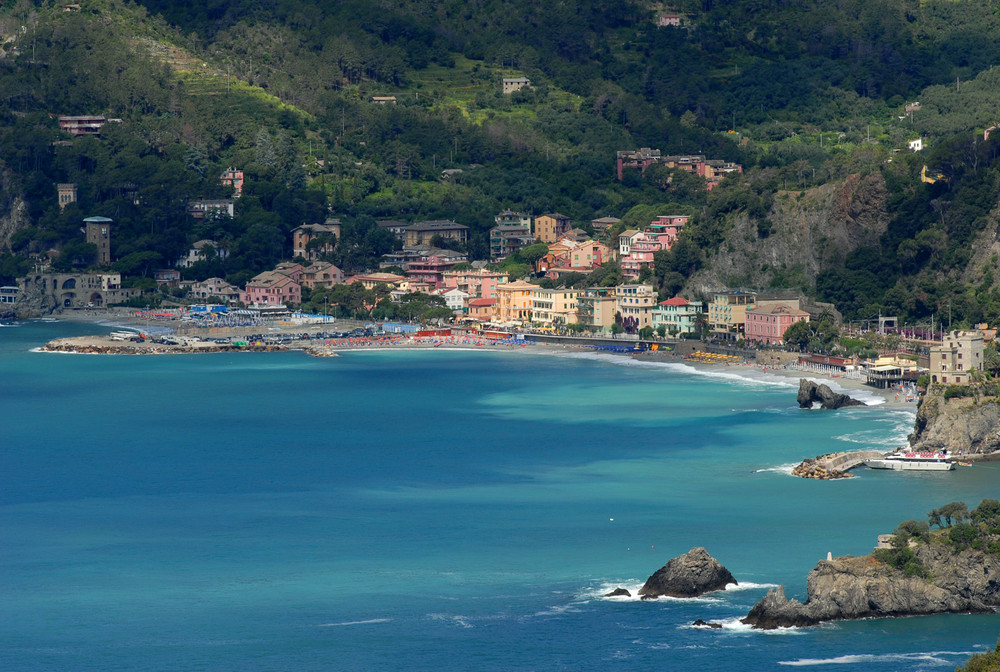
456 299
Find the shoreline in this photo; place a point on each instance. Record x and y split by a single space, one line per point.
109 318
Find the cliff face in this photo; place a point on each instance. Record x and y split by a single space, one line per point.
812 230
859 587
960 424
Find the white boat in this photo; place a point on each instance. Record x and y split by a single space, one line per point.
900 461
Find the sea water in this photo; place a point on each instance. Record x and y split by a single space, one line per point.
431 510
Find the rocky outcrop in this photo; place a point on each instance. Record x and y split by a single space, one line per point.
690 575
851 587
810 393
618 592
809 230
959 425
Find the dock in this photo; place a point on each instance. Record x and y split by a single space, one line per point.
834 465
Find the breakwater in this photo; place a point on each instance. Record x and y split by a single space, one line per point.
834 465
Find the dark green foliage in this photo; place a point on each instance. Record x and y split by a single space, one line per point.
902 559
983 662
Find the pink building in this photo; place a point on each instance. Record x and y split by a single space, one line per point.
233 177
478 284
767 321
272 288
431 270
640 255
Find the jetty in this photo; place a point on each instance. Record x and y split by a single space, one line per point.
834 465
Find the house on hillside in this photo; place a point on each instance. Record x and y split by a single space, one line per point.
233 177
323 237
421 233
211 207
202 250
512 84
550 228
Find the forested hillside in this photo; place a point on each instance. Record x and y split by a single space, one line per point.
809 96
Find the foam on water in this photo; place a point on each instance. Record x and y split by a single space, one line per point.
343 624
884 659
779 469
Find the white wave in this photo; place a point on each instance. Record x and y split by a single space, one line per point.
779 469
749 585
369 621
62 352
461 621
600 592
736 625
558 610
884 658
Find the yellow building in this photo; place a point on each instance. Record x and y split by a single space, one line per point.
549 228
727 314
635 304
596 308
514 301
553 307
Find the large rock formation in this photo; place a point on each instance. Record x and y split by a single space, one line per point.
960 424
809 231
810 392
690 575
860 587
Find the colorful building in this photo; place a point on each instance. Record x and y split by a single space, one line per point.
596 307
678 315
549 228
514 301
477 283
634 306
553 307
766 321
960 353
727 313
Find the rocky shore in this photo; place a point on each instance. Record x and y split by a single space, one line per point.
852 587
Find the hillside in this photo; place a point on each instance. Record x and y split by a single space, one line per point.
807 96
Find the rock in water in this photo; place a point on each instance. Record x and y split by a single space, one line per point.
705 624
690 575
810 392
618 592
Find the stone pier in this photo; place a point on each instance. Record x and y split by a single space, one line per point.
834 465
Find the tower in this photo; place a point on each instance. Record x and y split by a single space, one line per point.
99 233
67 194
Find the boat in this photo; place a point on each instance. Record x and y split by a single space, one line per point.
903 461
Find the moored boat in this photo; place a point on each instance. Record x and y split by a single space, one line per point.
909 461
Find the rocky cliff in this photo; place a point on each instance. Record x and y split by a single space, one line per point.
967 425
809 231
851 587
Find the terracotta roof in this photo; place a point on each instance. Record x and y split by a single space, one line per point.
676 301
483 302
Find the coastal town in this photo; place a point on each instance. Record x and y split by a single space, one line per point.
482 301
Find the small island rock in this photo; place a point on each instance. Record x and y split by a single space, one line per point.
618 592
705 624
810 392
690 575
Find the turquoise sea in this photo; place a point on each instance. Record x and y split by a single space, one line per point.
429 510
